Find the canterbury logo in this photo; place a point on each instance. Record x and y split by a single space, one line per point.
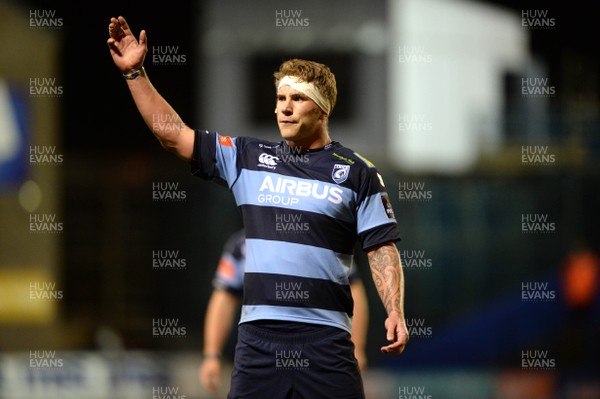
267 159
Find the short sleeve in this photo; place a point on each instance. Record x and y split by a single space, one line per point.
215 157
376 221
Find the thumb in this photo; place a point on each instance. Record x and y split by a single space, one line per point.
143 39
391 332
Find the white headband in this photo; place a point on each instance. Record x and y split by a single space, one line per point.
307 89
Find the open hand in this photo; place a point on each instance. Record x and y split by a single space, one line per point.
125 50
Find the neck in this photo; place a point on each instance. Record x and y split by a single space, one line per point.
310 144
319 140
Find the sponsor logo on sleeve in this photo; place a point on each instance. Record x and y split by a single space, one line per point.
226 269
387 205
226 141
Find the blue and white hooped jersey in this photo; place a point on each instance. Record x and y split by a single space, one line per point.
229 276
303 211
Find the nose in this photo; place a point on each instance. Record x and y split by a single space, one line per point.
286 107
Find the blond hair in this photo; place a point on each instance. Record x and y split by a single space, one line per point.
311 72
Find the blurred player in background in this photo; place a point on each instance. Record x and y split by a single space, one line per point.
227 297
296 317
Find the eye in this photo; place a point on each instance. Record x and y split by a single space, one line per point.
297 97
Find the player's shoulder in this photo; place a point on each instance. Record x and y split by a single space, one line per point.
362 174
346 157
351 157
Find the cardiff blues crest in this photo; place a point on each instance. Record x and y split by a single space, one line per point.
339 174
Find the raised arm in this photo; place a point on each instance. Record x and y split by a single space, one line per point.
386 269
128 55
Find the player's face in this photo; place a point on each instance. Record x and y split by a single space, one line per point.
300 120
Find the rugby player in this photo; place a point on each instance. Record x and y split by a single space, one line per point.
295 325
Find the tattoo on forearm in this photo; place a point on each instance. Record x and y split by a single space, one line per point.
388 278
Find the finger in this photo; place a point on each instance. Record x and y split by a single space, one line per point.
112 46
213 384
206 383
125 26
143 38
114 29
115 34
391 346
398 345
391 334
395 348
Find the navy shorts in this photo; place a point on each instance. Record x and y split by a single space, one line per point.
311 363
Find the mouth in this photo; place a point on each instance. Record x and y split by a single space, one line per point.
288 122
